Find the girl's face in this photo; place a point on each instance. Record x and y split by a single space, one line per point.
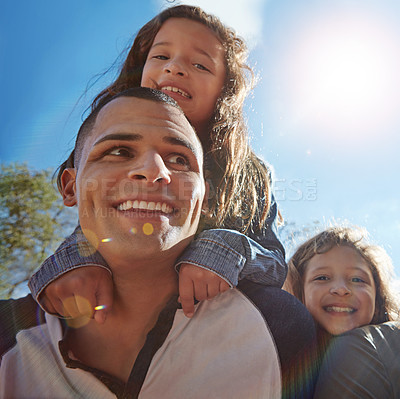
339 290
186 61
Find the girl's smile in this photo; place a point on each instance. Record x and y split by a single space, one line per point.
187 61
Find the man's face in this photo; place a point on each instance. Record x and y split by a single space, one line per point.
139 186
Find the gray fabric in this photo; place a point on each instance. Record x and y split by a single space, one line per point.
362 363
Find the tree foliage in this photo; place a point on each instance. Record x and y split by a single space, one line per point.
33 219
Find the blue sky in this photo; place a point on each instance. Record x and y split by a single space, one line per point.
324 112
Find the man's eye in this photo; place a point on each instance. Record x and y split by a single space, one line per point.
120 152
179 161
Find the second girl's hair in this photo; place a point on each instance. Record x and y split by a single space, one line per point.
242 181
378 261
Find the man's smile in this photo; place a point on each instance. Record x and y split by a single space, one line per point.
146 206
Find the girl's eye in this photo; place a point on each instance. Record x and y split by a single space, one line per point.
179 161
201 67
160 57
321 278
357 280
120 152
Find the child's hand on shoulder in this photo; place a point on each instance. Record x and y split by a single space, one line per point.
85 291
199 283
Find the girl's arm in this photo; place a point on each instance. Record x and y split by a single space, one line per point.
75 252
234 256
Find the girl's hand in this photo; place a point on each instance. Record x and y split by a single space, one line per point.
79 292
199 283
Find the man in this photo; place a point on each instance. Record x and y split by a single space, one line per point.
139 187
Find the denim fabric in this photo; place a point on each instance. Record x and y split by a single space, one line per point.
234 256
259 257
74 252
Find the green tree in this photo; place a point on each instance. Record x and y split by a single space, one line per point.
33 219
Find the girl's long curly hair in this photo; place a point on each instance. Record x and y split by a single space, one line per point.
241 182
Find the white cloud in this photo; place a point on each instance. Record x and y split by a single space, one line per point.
244 16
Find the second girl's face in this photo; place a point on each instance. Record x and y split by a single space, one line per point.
186 61
339 290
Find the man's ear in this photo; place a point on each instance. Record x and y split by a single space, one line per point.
68 187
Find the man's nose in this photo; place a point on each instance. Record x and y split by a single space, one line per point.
176 67
150 168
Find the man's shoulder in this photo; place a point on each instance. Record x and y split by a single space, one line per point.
293 331
226 333
291 324
16 315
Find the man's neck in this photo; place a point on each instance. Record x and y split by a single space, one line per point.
138 300
144 291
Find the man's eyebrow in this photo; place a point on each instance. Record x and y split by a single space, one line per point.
182 143
120 137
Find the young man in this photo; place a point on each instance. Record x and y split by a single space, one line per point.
139 187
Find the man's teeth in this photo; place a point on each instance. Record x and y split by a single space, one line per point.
339 309
176 90
146 206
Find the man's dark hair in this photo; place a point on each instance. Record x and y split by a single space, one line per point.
87 125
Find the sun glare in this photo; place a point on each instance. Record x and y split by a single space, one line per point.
343 76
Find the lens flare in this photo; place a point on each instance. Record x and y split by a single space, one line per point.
148 229
79 304
106 240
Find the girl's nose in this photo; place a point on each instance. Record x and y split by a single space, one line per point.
340 289
151 169
175 67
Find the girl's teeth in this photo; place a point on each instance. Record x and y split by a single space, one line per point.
147 206
339 309
176 90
